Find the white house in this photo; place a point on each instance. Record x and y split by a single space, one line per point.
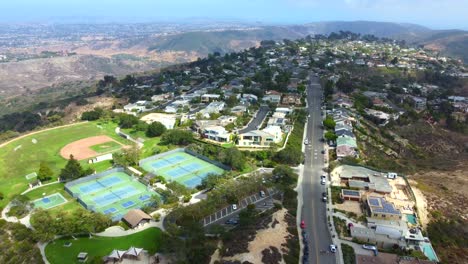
275 131
217 133
214 107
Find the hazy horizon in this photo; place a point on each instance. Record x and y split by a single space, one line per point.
422 12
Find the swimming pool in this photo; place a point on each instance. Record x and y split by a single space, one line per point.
429 251
411 219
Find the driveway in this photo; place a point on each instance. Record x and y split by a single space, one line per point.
257 121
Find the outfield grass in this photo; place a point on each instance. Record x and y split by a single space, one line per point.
106 147
14 165
56 253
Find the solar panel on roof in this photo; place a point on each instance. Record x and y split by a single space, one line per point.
374 201
350 193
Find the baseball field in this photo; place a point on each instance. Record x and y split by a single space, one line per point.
22 156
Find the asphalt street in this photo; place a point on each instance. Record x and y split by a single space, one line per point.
257 121
314 209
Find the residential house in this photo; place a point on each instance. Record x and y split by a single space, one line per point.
250 97
213 107
345 151
291 99
379 208
208 98
364 179
272 97
239 110
162 97
419 103
216 133
137 107
275 131
226 120
255 138
346 141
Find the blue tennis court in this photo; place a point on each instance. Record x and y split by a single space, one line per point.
110 210
125 192
192 166
144 197
128 204
105 199
176 172
160 164
90 188
175 159
193 182
107 182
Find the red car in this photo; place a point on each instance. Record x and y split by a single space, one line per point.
302 224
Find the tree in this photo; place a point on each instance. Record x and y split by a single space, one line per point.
127 121
128 156
329 123
72 170
45 173
330 136
92 115
289 155
285 175
210 181
155 129
231 101
177 137
394 61
233 157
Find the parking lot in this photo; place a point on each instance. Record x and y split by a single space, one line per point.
223 215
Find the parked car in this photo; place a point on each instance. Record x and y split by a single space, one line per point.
234 207
306 141
323 181
369 247
232 221
302 224
324 199
324 194
262 194
333 248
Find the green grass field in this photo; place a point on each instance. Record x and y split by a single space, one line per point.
106 147
14 165
150 145
56 253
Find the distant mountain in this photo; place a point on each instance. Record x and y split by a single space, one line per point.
448 42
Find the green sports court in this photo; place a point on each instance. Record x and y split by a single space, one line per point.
113 192
183 167
49 201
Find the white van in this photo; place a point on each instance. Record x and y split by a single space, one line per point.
391 175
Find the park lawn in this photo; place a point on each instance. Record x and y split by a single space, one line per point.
150 145
98 167
14 165
106 147
56 253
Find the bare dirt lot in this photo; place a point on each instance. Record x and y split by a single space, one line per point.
81 150
265 239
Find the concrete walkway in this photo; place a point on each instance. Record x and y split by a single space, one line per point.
13 219
118 231
42 247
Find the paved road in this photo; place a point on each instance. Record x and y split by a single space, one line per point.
257 121
221 216
314 210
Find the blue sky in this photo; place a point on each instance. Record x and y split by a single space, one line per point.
431 13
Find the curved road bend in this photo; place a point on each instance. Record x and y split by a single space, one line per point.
314 210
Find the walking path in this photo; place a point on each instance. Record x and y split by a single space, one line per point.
14 219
